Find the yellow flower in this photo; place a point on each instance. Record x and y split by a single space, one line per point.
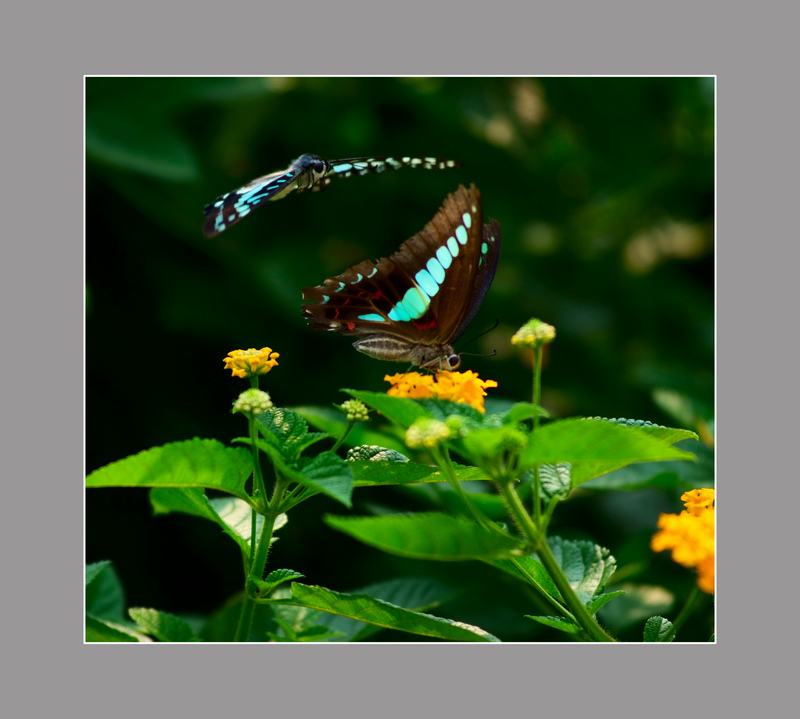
534 332
248 363
464 387
411 384
690 536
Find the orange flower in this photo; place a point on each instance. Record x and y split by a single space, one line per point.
464 387
690 536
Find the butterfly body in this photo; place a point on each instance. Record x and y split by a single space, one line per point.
412 306
307 172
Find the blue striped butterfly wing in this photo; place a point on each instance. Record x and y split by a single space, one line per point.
411 306
307 172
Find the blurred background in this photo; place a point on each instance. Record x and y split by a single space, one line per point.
603 187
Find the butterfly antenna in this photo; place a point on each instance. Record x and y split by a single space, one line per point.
485 332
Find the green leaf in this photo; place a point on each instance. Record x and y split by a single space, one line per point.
275 579
660 475
656 629
605 446
105 595
98 630
415 593
586 565
670 435
374 453
522 411
555 480
397 409
384 614
230 513
290 430
332 422
563 625
434 536
192 463
163 626
529 570
375 474
330 474
603 599
94 570
327 472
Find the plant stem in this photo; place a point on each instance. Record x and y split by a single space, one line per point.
260 558
684 614
348 428
536 502
445 464
580 614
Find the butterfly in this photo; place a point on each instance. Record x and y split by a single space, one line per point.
412 306
307 172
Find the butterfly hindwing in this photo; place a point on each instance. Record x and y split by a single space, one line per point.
416 302
307 172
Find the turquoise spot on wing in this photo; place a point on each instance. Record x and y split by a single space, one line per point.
436 269
415 303
399 314
371 317
344 167
467 219
360 277
461 234
426 282
325 298
444 257
374 270
340 287
484 248
452 245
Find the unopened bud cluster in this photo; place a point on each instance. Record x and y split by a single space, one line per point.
253 401
534 332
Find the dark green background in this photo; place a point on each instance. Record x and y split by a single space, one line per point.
603 187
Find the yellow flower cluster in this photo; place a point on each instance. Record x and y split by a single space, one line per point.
464 387
690 536
248 363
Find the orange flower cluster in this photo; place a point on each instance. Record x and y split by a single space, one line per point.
690 536
464 387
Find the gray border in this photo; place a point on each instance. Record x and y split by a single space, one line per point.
43 311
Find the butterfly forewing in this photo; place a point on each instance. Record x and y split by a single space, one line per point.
424 294
307 172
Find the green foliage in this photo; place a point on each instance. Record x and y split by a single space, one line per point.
604 189
194 463
384 614
657 629
428 536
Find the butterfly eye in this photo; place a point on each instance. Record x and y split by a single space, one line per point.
319 167
454 361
